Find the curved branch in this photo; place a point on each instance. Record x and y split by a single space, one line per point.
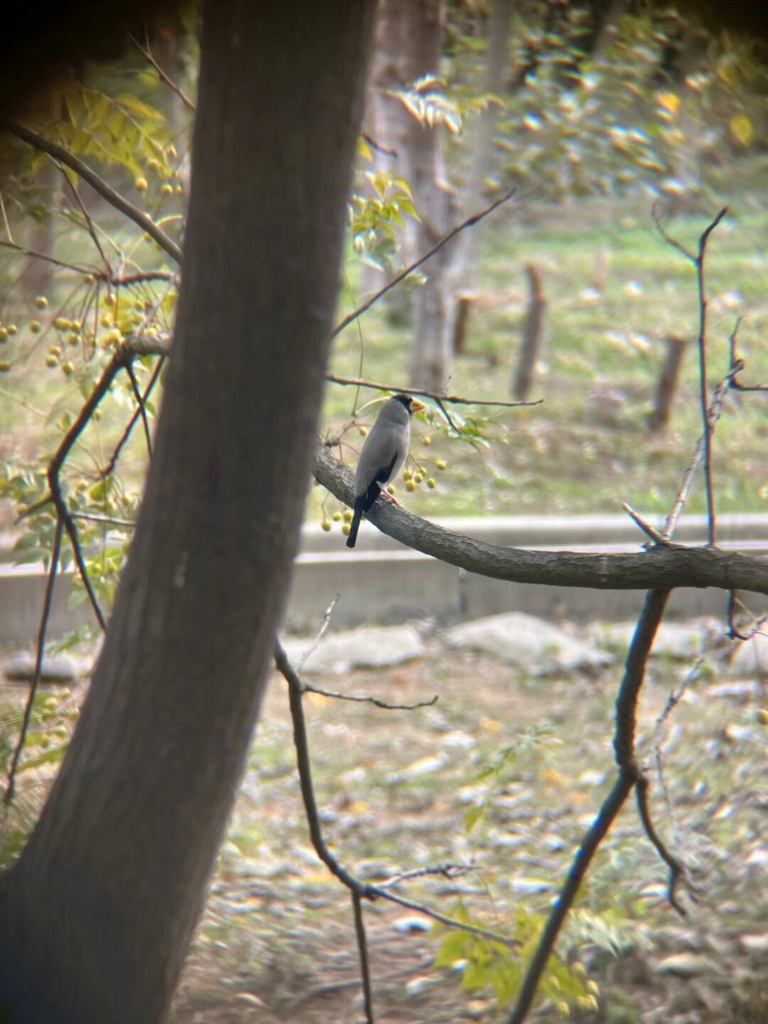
98 184
654 569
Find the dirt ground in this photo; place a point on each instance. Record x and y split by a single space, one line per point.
277 942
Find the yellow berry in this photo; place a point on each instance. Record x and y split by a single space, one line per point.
11 328
152 165
3 335
363 431
426 441
34 326
347 516
337 517
55 350
410 485
88 278
106 320
141 184
391 489
593 987
417 478
346 529
326 525
762 715
440 464
109 299
61 324
41 302
68 368
407 474
431 482
51 361
167 190
73 338
179 190
5 366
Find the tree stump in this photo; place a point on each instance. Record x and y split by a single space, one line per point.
666 386
532 337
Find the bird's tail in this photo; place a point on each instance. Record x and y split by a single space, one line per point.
354 526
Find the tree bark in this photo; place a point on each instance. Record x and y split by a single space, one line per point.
431 347
465 263
661 567
96 916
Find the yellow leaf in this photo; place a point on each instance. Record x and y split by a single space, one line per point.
742 129
669 102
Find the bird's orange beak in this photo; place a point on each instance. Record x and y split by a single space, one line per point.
416 405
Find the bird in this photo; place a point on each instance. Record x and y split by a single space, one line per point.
383 455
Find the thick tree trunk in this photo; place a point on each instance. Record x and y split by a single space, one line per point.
96 916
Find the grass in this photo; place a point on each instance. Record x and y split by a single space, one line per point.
586 447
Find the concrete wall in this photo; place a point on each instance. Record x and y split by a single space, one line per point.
382 581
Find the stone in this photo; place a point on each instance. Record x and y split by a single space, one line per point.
367 647
531 644
56 668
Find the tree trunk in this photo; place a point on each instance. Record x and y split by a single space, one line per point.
431 351
387 122
96 916
465 262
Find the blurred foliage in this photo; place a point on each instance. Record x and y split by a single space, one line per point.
580 118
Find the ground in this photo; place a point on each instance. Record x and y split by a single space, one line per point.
525 763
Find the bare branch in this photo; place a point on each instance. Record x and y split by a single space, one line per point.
371 700
628 777
698 261
738 364
109 468
147 53
658 568
362 949
451 399
97 183
468 223
44 617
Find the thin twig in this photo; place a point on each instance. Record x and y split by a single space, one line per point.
44 617
147 53
121 357
108 469
468 223
422 393
90 227
738 364
674 865
142 408
296 689
645 526
23 251
365 699
96 182
698 260
362 949
628 777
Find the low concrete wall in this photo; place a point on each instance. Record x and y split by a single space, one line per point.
382 581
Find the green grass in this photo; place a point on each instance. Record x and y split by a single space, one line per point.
574 453
585 448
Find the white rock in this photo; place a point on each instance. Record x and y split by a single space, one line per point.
368 647
533 645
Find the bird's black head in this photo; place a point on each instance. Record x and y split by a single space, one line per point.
411 405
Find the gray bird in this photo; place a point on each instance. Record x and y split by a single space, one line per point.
383 455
